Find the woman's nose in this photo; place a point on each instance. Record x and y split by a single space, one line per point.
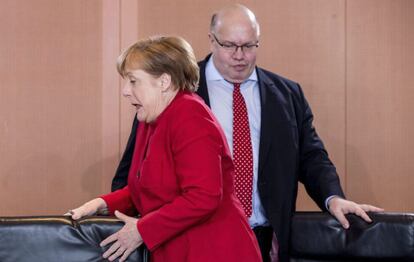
126 90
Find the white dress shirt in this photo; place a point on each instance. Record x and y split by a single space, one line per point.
220 93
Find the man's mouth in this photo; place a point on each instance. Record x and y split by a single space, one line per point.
239 67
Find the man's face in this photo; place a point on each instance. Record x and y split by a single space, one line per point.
234 49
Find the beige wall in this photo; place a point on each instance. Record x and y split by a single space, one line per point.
63 123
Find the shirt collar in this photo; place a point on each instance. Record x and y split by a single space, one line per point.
212 74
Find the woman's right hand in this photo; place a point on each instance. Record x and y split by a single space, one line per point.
93 207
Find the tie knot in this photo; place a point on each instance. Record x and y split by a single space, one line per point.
236 85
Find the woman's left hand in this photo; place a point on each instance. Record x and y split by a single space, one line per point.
125 240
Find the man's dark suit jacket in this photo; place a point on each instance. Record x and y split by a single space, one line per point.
290 151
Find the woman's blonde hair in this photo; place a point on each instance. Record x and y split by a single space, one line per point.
163 54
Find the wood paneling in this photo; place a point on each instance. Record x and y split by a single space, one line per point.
128 35
64 124
305 41
111 94
380 91
50 105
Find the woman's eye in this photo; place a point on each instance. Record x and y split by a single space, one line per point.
132 81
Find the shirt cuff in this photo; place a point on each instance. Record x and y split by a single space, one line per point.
328 199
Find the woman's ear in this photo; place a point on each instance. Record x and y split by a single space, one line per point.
165 81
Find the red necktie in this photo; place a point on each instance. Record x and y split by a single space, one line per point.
242 151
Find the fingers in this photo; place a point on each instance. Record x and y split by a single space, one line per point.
69 213
78 214
340 216
117 254
87 209
337 207
121 216
109 239
361 213
116 251
75 214
126 240
369 208
340 207
126 255
112 249
362 209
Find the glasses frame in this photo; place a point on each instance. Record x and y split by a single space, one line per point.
232 47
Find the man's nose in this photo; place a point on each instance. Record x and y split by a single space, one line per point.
238 53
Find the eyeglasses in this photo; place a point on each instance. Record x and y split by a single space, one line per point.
232 47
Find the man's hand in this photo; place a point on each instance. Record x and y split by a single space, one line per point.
125 240
339 207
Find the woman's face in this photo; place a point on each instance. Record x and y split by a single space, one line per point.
145 93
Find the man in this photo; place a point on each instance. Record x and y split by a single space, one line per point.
281 146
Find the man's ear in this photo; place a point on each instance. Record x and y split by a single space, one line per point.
211 38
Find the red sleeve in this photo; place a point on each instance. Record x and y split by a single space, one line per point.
196 146
120 200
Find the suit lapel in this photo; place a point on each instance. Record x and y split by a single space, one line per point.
273 112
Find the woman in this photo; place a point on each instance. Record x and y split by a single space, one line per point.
181 177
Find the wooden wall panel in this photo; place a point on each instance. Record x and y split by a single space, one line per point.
305 41
50 104
111 93
380 91
64 124
128 35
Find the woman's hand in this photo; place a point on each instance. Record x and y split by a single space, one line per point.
126 240
95 206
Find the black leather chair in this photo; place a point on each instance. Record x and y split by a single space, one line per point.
316 237
58 239
319 237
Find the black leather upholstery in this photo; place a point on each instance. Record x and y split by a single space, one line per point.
57 239
319 237
316 237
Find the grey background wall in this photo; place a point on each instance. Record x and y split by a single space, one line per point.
64 124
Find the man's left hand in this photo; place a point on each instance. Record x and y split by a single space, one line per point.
125 240
339 207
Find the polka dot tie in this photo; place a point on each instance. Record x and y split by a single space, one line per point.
242 151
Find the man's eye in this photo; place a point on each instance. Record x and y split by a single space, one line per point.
249 46
132 81
229 45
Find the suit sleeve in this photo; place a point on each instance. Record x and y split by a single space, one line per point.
120 200
196 147
317 172
120 179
